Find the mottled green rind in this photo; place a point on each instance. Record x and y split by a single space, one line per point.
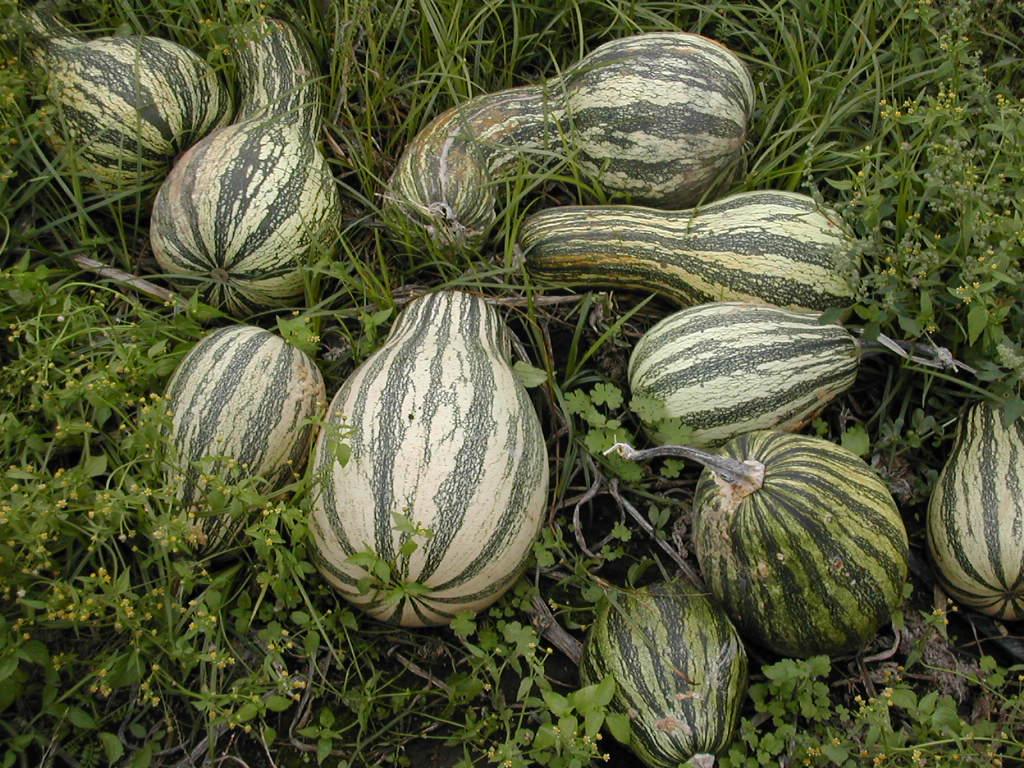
439 430
725 368
815 560
975 525
762 246
657 118
679 666
126 106
237 218
243 398
277 75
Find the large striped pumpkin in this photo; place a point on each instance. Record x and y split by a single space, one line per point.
679 667
439 432
976 516
725 368
656 118
241 404
762 246
241 212
808 559
126 106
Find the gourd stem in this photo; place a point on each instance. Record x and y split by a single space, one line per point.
928 355
744 476
552 630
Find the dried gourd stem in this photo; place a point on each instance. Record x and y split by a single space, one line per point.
544 620
678 559
929 355
743 477
120 276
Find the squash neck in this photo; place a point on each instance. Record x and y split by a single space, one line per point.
47 34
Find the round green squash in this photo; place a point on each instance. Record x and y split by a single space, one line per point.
679 667
806 550
975 523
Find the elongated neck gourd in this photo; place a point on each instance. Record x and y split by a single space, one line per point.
657 118
245 209
125 106
780 248
720 369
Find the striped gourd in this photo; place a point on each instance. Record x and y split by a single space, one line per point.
679 666
242 210
725 368
241 404
657 118
805 549
765 246
126 106
976 516
441 433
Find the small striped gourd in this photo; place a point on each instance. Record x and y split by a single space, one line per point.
679 666
241 403
725 368
656 118
242 210
442 436
126 106
806 551
975 526
764 246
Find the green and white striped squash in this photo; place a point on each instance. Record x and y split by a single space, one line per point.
241 404
243 210
126 106
657 118
679 666
440 432
804 548
725 368
764 246
975 526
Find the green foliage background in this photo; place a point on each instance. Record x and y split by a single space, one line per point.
119 646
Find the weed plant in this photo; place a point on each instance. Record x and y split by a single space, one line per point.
121 644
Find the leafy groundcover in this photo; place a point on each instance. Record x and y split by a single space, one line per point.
120 645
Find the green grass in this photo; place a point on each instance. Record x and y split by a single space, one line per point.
118 646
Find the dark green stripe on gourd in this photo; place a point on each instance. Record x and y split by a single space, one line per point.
762 246
975 522
126 105
810 561
243 210
725 368
241 405
277 74
658 118
437 429
679 667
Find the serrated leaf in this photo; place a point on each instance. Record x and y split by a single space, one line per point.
856 440
606 394
528 375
